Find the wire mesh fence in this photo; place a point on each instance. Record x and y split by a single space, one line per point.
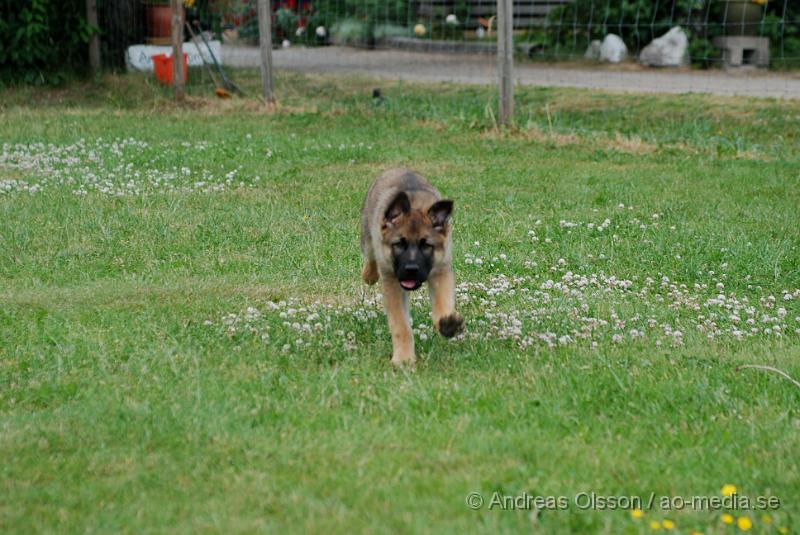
543 29
585 43
549 30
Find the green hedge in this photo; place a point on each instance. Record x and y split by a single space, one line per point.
42 41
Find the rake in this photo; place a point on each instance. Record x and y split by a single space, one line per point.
228 86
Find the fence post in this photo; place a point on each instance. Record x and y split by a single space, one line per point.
265 41
178 83
94 40
505 59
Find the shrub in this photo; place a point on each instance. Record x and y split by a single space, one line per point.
43 41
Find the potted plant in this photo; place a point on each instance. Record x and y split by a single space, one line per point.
742 17
158 17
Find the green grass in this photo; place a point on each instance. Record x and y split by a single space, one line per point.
138 395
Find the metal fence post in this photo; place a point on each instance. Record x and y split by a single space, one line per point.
505 59
265 41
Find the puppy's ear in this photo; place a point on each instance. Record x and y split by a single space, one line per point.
400 205
440 213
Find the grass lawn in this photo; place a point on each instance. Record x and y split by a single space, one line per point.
186 345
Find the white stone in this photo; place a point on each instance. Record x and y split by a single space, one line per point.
593 50
613 49
140 57
669 50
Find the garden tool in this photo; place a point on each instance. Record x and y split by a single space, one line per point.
229 84
220 91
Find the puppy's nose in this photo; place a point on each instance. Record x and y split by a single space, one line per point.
411 269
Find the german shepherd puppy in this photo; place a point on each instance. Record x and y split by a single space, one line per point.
406 241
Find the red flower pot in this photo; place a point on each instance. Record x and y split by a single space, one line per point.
159 20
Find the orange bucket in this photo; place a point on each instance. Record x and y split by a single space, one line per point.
162 64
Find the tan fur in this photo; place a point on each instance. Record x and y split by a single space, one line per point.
377 236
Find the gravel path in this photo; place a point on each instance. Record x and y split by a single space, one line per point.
480 69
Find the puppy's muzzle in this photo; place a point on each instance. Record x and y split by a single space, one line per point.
411 277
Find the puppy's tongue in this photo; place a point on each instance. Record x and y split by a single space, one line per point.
408 284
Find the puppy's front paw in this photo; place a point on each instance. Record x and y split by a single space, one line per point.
451 325
404 361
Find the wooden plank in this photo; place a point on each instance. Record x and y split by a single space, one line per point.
444 4
522 10
527 13
517 3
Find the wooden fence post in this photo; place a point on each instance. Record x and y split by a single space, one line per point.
178 82
94 40
505 59
265 41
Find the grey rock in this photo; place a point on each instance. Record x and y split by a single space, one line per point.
593 50
613 49
669 50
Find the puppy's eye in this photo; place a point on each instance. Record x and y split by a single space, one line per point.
425 245
400 244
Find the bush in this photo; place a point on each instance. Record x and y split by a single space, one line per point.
43 41
362 22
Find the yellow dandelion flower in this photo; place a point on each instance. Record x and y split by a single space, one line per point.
695 532
765 518
728 519
744 523
728 489
655 525
783 531
636 513
668 524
